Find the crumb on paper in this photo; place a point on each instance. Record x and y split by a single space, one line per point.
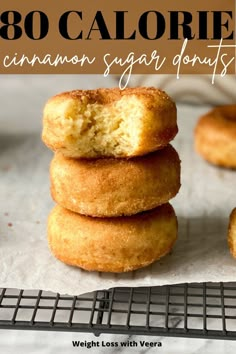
6 214
10 224
6 168
37 222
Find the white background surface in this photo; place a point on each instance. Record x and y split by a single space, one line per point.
23 342
22 99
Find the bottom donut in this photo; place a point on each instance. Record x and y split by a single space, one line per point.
112 244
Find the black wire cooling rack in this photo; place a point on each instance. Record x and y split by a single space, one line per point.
202 310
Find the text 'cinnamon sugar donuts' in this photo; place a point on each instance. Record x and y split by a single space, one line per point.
109 122
215 136
112 244
113 187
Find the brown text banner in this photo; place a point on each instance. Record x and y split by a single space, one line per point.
118 37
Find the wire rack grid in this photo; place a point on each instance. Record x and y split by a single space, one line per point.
202 310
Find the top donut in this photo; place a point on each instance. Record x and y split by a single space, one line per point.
109 122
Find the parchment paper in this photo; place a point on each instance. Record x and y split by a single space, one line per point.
201 253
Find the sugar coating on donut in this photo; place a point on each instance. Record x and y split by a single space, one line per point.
114 187
109 122
112 244
215 136
232 232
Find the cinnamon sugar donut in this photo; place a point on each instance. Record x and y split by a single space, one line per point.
113 187
109 122
215 136
111 244
232 233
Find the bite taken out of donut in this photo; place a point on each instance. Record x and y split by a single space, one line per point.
109 122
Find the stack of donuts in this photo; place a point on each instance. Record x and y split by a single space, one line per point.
112 176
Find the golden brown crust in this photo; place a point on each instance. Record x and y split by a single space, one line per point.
106 96
114 187
232 232
111 244
159 120
215 136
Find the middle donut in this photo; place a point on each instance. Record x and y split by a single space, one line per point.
114 187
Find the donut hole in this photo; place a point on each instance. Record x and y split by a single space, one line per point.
228 112
104 129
